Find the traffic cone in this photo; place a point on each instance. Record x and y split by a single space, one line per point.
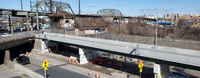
26 52
72 59
97 75
69 59
76 61
31 54
40 53
34 55
48 59
43 58
90 73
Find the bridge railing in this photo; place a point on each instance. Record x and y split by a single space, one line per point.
16 36
186 44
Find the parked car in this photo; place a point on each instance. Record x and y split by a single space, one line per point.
6 35
23 60
19 28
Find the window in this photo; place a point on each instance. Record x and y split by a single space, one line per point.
67 21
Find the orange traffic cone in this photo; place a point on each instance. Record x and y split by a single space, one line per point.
90 73
34 55
43 58
76 61
97 75
72 59
40 53
31 54
48 59
26 52
69 59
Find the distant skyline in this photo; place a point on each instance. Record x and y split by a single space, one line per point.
127 7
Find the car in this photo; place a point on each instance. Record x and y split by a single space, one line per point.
19 28
6 35
23 60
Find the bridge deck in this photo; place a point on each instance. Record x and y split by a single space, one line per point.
160 54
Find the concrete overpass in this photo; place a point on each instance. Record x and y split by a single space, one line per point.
162 55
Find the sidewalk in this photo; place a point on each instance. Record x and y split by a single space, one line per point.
71 67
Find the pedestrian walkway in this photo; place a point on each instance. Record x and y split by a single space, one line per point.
11 73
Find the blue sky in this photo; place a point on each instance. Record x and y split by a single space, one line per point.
128 7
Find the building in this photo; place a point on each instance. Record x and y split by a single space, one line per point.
61 19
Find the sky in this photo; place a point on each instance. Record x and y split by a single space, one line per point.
127 7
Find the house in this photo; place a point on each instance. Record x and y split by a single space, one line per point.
61 19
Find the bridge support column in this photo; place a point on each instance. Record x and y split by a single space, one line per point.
38 46
7 56
86 54
161 70
82 57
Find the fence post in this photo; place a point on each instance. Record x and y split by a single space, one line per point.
113 35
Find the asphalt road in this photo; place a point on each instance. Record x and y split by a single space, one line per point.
53 71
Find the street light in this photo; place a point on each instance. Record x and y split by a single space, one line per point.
156 26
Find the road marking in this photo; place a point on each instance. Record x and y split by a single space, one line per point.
11 71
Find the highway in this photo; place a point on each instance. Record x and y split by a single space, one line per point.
53 71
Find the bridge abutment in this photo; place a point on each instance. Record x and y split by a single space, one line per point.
161 70
86 54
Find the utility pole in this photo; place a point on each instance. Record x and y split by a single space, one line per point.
79 10
21 6
156 27
30 4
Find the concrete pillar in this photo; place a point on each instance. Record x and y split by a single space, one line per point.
83 59
7 56
76 31
161 70
38 46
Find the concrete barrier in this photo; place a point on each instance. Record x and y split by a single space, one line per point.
27 71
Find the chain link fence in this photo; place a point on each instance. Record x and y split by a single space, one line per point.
186 44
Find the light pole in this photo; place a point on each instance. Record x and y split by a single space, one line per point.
156 26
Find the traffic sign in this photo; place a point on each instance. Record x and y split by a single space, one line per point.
45 64
140 66
45 68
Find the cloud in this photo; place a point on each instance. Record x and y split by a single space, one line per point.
104 5
92 5
118 5
183 7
